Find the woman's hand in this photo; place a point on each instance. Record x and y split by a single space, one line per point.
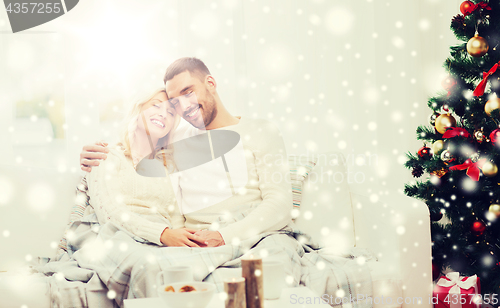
182 238
91 154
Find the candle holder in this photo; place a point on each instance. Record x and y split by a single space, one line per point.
236 294
252 272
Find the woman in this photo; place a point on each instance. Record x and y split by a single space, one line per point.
144 206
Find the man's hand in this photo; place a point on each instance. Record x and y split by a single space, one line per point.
213 238
182 238
91 154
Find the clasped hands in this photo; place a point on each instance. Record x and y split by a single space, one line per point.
187 237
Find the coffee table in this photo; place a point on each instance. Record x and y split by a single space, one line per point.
290 297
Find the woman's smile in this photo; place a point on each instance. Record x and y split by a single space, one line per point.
157 122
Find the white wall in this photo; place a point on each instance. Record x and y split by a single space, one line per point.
334 75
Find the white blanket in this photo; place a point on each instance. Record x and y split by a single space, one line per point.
107 258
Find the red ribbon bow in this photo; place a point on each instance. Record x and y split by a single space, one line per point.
472 8
456 131
482 85
473 170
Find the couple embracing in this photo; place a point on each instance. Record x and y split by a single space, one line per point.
187 206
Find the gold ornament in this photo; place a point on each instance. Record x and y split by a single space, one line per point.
439 173
438 147
489 169
492 104
477 46
444 121
495 209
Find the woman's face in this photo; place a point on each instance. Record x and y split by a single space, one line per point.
158 116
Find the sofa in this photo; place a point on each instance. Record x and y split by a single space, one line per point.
36 203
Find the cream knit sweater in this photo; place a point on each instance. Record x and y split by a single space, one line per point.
265 200
144 206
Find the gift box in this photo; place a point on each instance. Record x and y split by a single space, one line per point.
455 291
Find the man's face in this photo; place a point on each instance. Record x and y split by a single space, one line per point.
191 99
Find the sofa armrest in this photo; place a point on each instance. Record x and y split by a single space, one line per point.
398 232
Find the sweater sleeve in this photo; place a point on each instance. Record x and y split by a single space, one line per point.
104 191
177 219
271 162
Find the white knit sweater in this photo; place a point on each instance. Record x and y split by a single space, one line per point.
265 199
144 206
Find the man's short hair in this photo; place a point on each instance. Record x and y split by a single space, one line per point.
193 65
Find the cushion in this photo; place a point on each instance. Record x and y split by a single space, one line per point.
300 166
81 202
326 212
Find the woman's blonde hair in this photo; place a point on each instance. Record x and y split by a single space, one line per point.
163 150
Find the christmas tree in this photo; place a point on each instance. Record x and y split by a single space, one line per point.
462 150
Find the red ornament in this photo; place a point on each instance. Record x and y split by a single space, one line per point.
495 137
456 131
466 6
424 152
478 228
448 83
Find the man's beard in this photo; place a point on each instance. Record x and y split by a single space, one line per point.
209 112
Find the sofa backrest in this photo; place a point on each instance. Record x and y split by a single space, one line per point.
326 211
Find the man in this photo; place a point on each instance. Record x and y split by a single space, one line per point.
263 203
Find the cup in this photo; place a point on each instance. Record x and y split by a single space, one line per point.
174 274
274 278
